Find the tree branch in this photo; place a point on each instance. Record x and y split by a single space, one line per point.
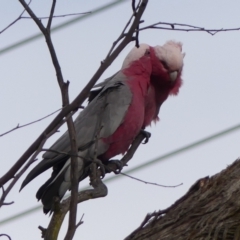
30 123
40 18
33 16
51 16
209 210
99 190
65 101
79 99
17 19
5 235
23 170
150 183
58 16
187 28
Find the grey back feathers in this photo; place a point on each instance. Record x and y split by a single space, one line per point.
102 117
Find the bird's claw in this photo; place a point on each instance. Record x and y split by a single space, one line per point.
118 166
101 166
147 135
115 166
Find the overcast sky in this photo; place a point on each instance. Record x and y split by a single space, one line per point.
208 102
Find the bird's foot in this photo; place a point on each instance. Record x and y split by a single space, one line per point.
114 165
101 166
147 135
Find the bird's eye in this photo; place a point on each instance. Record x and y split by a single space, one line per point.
147 52
165 65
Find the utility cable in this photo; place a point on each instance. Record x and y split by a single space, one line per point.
140 167
61 26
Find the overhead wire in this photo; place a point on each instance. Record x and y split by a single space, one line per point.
140 167
61 26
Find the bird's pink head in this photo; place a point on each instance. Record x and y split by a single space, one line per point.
138 61
167 65
135 54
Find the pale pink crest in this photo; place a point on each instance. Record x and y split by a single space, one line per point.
171 54
135 54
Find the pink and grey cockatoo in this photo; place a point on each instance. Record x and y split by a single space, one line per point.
118 110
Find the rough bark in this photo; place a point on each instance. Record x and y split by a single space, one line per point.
209 210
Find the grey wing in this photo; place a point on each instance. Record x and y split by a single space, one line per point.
106 81
105 112
99 87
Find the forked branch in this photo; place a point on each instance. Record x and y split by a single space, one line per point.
99 190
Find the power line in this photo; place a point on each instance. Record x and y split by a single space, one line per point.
146 164
60 26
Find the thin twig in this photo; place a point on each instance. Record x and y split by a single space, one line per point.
33 16
75 162
5 235
17 19
41 18
137 37
3 193
23 170
71 128
146 220
155 184
123 34
80 222
51 16
30 123
58 16
79 99
187 28
99 190
133 7
31 160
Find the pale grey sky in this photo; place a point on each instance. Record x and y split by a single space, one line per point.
207 103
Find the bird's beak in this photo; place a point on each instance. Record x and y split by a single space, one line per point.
173 76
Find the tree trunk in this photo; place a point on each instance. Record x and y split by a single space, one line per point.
209 210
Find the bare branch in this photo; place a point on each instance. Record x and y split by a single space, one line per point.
40 18
136 37
99 190
5 203
79 99
23 170
31 160
155 184
133 7
51 16
71 128
80 222
30 123
5 235
123 34
58 16
33 16
187 28
74 181
17 19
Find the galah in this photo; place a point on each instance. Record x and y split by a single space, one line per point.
165 80
124 105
